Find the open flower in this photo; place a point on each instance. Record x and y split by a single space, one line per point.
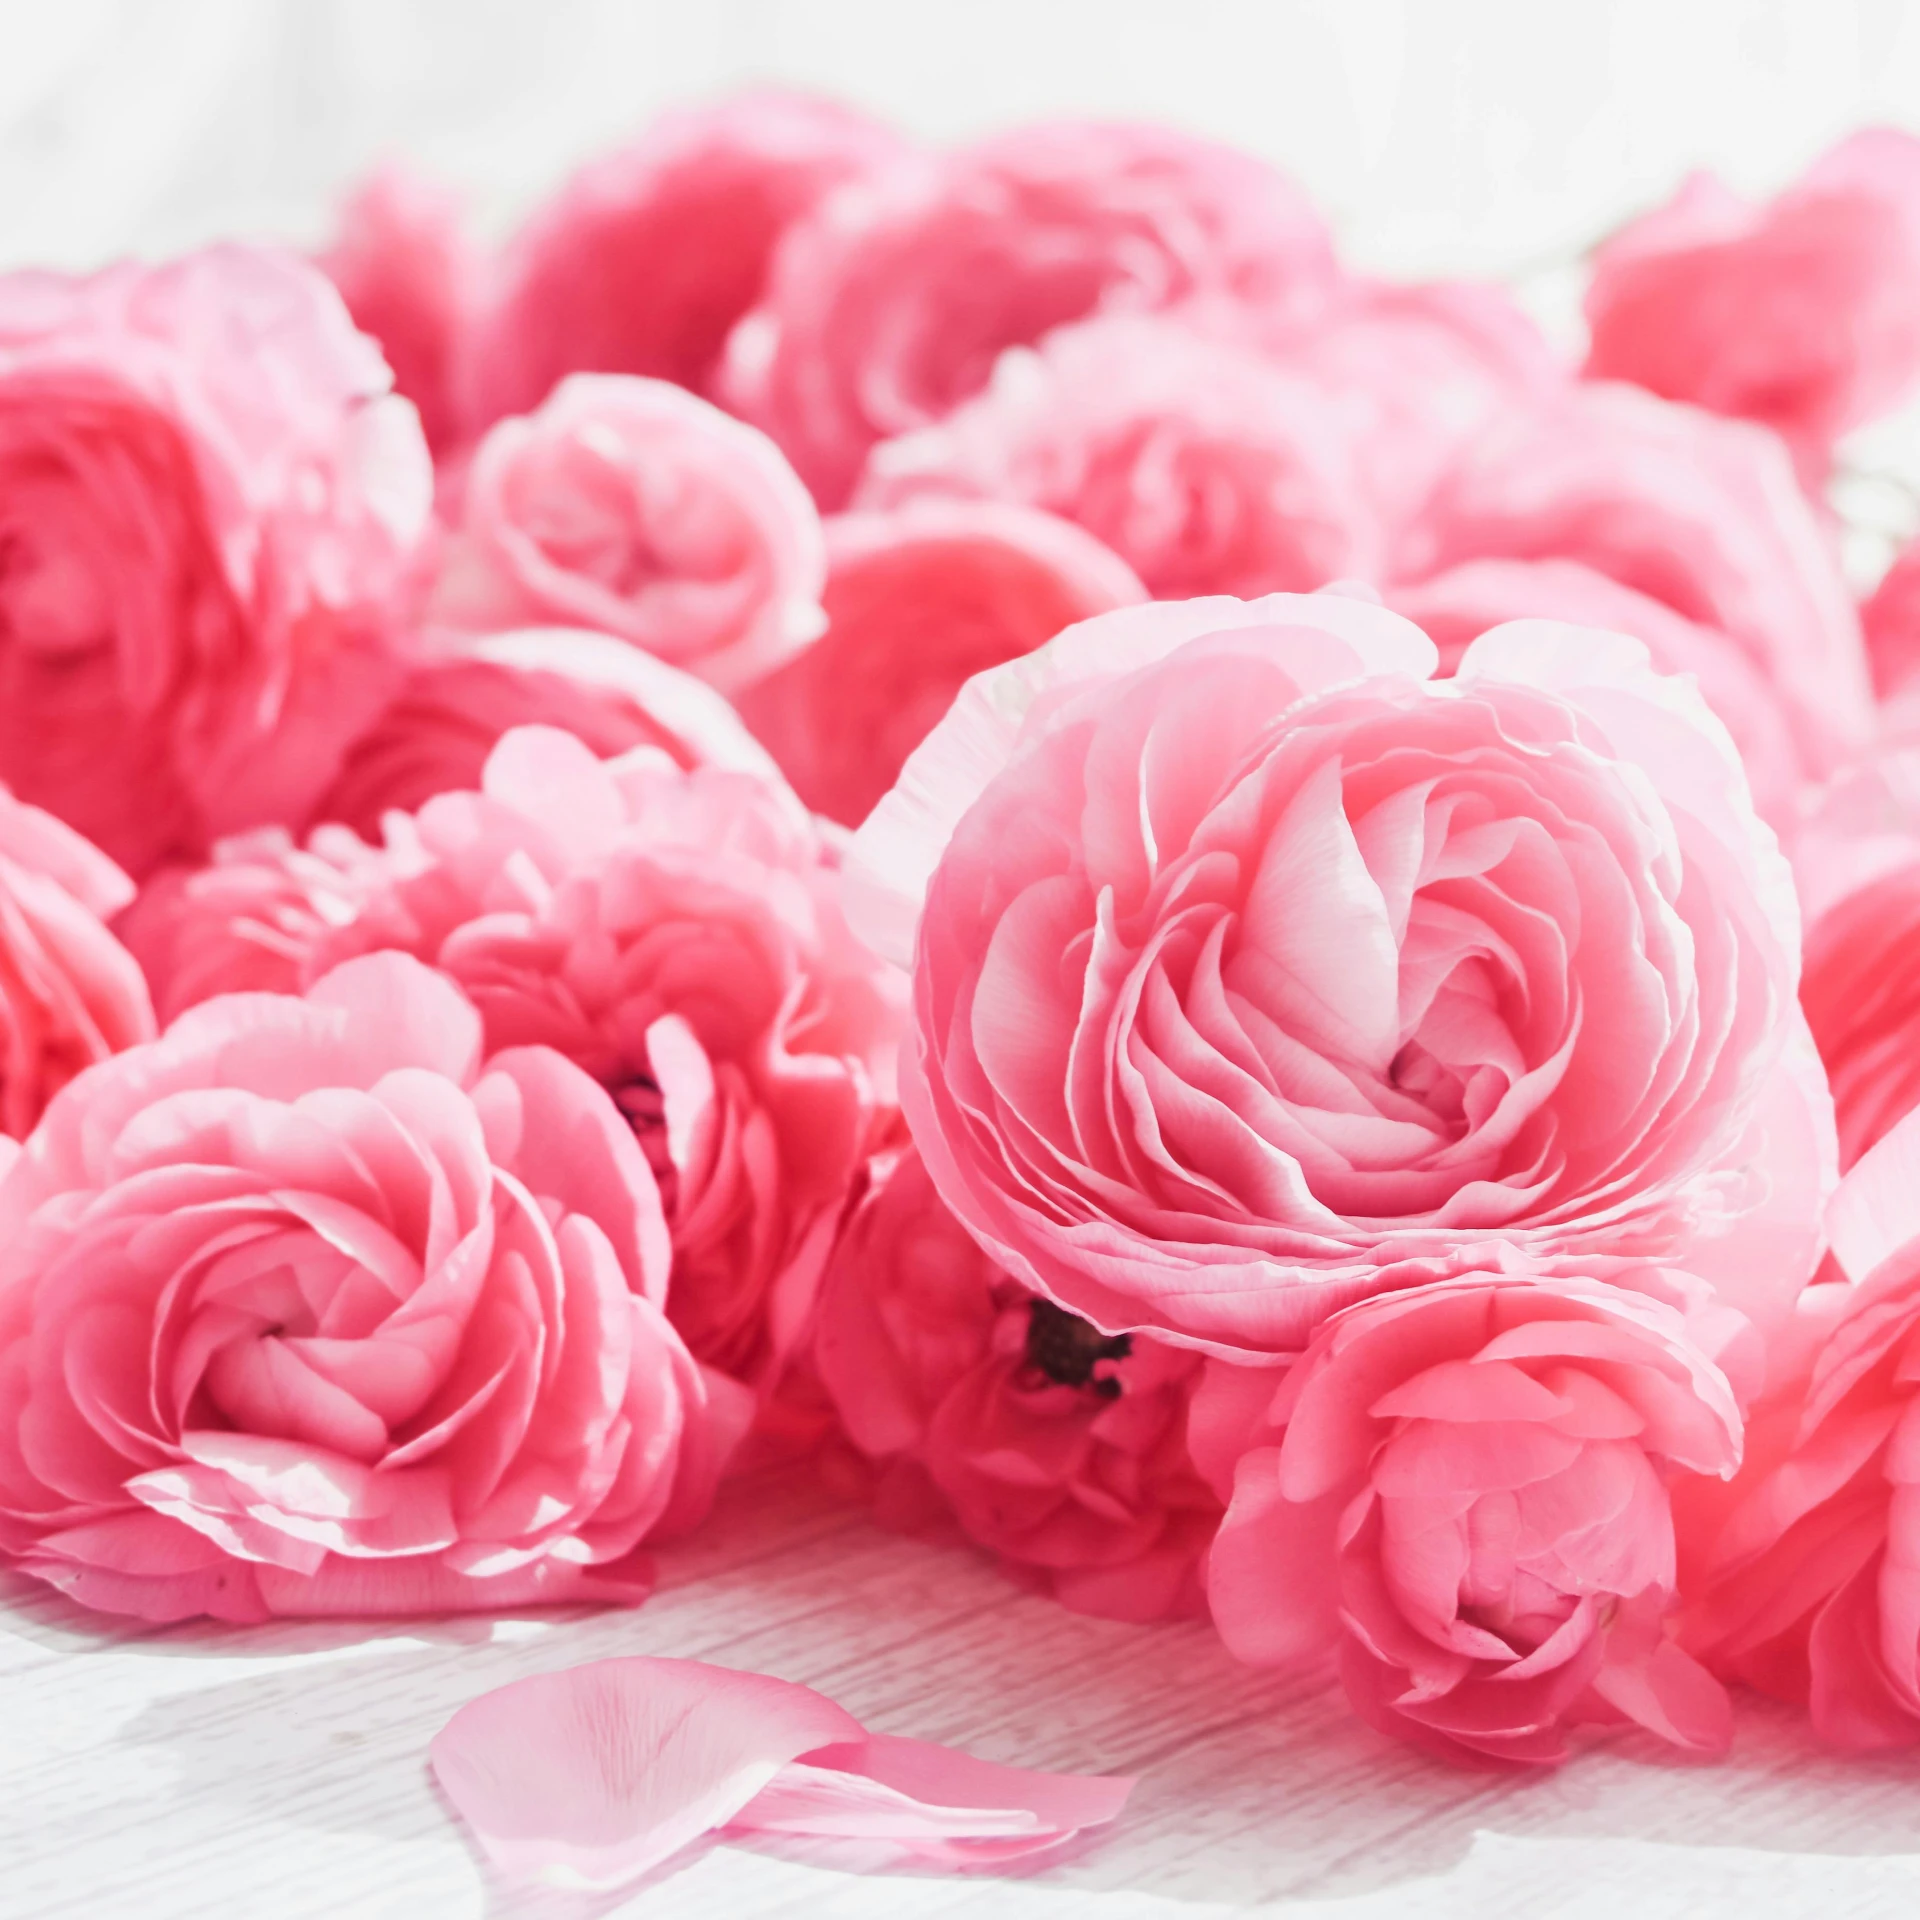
917 602
890 304
635 508
1256 971
211 516
1469 1500
302 1310
1056 1447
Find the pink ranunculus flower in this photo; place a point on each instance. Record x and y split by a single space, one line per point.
1459 605
633 507
304 1310
917 601
1803 313
70 993
211 517
1256 971
891 303
1811 1587
1204 466
646 257
462 694
1890 619
410 275
1058 1448
1469 1500
676 932
1695 511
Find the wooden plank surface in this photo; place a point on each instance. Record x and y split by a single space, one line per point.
280 1771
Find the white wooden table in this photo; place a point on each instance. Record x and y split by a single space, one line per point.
208 1774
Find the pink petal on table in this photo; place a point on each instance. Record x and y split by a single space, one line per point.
595 1775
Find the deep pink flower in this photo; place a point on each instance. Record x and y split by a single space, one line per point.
633 507
211 512
302 1310
1203 465
70 993
1256 971
890 305
1055 1447
1468 1499
1697 512
1803 313
646 257
410 276
917 601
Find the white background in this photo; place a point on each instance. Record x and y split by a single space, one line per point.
221 1776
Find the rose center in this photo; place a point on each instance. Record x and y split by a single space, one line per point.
1066 1349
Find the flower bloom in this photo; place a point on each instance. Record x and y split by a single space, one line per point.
1256 971
1803 314
1699 513
1468 1498
1056 1447
461 695
1890 620
410 276
1813 1587
70 993
634 508
675 932
302 1310
643 261
890 304
918 601
1204 466
211 512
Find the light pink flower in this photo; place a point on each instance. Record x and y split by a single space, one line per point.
1255 971
917 601
635 508
1204 466
1890 620
646 257
210 519
70 993
890 305
675 932
1803 313
304 1311
1814 1580
1459 605
1697 512
465 692
410 276
1469 1500
1057 1448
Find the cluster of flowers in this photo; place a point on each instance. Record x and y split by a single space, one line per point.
1309 1098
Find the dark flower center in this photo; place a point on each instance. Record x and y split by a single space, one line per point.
1066 1349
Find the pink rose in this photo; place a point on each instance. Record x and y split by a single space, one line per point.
917 601
410 277
1699 513
1255 971
460 697
1204 466
210 519
676 932
1459 605
635 508
1469 1499
70 993
304 1311
1814 1588
1803 314
647 256
1891 621
890 305
1052 1445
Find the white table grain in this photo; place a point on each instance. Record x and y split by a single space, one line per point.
280 1771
